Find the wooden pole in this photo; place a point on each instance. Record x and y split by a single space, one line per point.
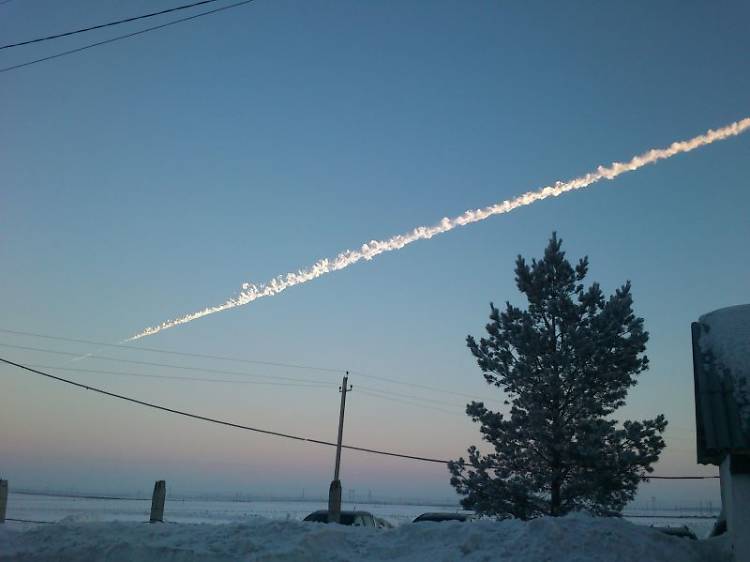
157 501
341 426
334 492
3 499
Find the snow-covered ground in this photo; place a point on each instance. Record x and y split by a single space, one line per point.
576 538
57 508
113 530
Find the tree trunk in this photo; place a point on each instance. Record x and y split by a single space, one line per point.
555 499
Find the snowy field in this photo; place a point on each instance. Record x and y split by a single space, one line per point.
575 538
114 530
58 508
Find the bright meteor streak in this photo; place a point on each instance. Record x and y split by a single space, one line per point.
251 292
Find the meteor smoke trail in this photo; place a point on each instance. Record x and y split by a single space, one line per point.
251 292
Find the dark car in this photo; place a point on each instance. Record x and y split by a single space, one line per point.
353 518
683 532
444 517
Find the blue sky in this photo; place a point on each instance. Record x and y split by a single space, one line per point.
151 177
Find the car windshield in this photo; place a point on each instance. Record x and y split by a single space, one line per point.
322 517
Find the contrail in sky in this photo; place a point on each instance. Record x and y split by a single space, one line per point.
251 292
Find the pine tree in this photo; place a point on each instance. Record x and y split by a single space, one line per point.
565 365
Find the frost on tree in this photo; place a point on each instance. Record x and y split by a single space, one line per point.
564 365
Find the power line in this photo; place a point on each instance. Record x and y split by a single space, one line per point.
198 379
198 369
163 351
170 352
425 387
372 392
241 360
275 433
108 24
154 364
216 421
411 397
408 403
126 36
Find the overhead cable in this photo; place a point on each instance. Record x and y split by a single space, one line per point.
238 360
108 24
408 403
163 365
274 433
302 382
217 421
171 352
126 36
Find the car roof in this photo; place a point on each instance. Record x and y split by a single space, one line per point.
321 511
446 515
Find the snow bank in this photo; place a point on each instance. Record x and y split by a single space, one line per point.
575 538
726 335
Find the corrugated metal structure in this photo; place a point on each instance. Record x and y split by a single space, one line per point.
719 404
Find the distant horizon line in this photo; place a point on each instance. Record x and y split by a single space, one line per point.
702 505
239 497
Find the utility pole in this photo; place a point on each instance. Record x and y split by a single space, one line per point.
334 492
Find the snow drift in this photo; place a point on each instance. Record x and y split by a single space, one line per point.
574 538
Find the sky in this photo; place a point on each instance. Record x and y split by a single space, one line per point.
151 177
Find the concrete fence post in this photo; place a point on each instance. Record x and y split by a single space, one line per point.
157 501
3 499
334 502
